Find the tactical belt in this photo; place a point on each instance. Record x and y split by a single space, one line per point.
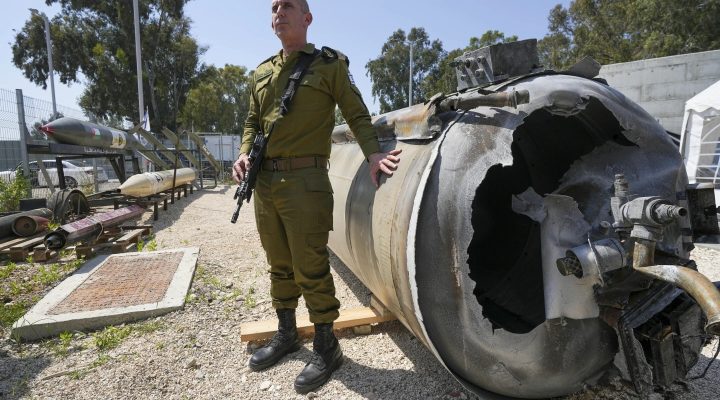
289 164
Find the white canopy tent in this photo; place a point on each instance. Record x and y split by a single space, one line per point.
700 138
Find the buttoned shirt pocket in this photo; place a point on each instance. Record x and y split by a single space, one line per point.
262 85
313 95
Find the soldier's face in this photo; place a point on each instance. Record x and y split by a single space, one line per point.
288 19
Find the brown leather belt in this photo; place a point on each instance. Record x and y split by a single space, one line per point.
289 164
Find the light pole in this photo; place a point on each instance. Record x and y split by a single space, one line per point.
48 42
410 97
138 58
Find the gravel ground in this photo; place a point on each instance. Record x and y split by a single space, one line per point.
197 353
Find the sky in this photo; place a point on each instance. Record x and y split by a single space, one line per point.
238 31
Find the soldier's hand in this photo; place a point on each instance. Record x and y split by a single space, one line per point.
384 163
240 167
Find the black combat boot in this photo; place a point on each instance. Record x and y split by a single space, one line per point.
326 358
285 341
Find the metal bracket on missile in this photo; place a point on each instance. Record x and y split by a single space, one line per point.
158 145
204 150
181 147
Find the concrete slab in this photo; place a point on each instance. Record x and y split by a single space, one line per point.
110 290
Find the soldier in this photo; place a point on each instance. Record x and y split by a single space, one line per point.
293 196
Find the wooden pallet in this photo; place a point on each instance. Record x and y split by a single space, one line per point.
350 318
19 249
118 240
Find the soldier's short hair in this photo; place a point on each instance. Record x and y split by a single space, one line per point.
304 7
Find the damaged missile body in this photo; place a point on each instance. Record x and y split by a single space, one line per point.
464 243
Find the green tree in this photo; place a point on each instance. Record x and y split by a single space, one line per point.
218 102
94 41
390 71
339 119
613 31
445 80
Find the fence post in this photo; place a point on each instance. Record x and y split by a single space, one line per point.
23 131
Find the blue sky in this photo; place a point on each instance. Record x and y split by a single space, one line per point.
238 31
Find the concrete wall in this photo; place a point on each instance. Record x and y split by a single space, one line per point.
663 85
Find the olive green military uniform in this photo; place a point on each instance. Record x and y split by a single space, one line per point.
293 207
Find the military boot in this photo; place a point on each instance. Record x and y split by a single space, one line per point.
284 342
326 358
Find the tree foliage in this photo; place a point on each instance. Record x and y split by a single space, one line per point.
94 41
613 31
218 102
390 71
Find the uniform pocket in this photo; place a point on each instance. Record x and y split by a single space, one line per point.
262 84
318 199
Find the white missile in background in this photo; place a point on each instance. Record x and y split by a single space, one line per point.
151 183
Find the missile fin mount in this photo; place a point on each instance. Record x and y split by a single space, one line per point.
496 63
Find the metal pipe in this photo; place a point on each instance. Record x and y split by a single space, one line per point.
692 282
468 101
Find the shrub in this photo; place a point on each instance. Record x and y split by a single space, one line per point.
11 192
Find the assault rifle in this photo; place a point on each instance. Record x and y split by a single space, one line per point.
245 190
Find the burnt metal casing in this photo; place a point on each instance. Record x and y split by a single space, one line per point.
461 242
495 63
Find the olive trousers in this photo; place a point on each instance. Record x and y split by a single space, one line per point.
293 210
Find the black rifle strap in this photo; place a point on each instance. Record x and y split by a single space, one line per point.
298 72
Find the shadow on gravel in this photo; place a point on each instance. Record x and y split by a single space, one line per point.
704 387
378 383
343 272
17 373
179 207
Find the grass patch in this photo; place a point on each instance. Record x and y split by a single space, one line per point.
9 313
205 277
150 245
110 337
149 327
47 275
250 301
60 346
7 270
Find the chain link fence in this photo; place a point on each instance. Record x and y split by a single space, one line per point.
89 175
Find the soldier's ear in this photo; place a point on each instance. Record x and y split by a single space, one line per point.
308 19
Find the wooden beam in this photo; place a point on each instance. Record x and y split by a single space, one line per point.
260 330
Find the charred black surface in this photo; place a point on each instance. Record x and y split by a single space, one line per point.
504 254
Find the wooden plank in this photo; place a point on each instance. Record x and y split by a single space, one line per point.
28 244
14 242
41 253
260 330
378 306
128 237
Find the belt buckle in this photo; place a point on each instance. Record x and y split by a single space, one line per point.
275 165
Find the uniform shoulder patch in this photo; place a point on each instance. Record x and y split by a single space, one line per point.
330 54
267 60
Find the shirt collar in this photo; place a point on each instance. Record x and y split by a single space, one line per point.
308 49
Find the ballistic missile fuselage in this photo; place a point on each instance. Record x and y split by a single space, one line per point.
150 183
72 131
463 242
